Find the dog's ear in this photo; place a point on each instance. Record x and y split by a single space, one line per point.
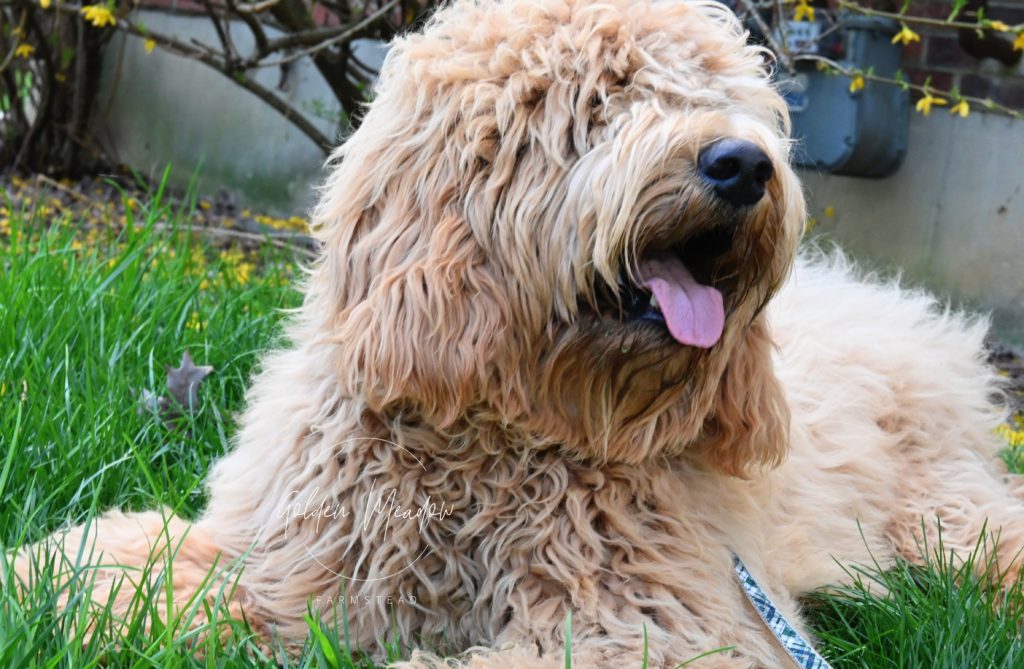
425 336
748 430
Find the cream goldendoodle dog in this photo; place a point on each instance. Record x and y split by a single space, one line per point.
552 359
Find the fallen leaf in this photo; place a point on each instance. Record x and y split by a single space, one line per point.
183 382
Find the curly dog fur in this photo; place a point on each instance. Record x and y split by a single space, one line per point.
459 348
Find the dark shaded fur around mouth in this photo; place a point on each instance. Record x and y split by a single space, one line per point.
701 254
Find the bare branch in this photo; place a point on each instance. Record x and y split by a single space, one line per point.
346 34
254 27
782 56
257 7
9 58
211 60
779 15
229 55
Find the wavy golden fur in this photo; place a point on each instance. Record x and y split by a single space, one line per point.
456 346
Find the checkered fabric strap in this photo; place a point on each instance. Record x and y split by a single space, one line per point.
796 646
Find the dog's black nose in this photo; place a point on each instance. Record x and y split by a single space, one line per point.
737 170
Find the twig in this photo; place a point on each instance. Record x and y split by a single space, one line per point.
254 27
783 23
9 58
312 37
256 8
70 191
923 20
229 54
346 35
782 56
305 244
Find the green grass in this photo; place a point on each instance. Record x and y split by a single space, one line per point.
936 616
87 321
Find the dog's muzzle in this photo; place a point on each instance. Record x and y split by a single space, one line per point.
679 282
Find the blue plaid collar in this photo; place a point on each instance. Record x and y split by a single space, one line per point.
796 646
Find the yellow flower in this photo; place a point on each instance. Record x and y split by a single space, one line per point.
961 108
906 35
803 11
24 50
1018 44
924 105
1014 438
195 323
99 15
999 25
856 83
149 45
45 4
830 211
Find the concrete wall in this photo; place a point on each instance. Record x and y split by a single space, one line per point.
951 218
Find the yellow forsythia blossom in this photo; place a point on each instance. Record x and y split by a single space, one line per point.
1018 44
924 105
24 50
803 11
194 322
906 35
856 83
1014 437
149 45
961 108
99 15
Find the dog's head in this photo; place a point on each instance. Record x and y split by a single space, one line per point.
564 218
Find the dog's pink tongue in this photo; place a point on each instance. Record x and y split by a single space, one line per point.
693 312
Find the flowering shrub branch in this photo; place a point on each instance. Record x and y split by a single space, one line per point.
858 79
961 18
42 54
213 59
951 22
